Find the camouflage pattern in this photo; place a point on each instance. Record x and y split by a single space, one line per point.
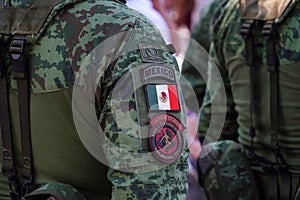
228 53
65 55
56 190
202 34
225 172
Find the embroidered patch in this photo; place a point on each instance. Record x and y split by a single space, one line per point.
165 137
151 54
162 97
158 71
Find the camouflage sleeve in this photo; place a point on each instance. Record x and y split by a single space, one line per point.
133 58
115 72
135 172
218 105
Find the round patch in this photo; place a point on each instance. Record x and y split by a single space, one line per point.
165 137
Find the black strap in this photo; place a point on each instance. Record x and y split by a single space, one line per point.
247 35
20 73
270 36
272 61
8 166
273 189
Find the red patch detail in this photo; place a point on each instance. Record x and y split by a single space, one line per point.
165 137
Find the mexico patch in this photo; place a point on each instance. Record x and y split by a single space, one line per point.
158 71
162 97
165 139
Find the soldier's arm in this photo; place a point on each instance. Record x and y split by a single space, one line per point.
217 117
133 130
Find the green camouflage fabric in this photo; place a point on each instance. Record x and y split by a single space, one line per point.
88 49
202 34
228 53
56 190
224 171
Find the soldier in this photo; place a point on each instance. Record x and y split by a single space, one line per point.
255 48
97 92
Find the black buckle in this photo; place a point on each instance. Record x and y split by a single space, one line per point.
19 60
267 30
246 28
17 46
269 34
246 33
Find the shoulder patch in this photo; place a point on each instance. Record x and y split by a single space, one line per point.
158 71
150 53
165 137
162 97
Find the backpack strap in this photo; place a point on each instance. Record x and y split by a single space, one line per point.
270 35
8 166
268 11
247 35
20 73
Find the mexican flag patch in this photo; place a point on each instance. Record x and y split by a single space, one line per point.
162 97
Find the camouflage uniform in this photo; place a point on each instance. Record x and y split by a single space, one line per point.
200 34
65 55
228 53
195 63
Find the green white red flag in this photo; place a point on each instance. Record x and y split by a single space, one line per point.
162 97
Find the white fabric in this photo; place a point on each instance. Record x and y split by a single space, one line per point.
145 7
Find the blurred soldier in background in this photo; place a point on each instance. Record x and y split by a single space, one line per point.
255 48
